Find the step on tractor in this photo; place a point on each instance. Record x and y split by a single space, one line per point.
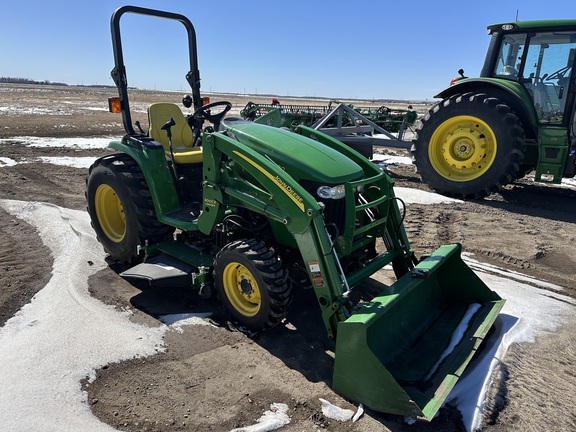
517 117
236 211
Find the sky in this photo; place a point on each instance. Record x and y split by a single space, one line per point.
336 49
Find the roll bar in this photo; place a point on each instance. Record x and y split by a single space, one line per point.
118 73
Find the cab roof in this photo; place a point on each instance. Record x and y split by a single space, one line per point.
564 24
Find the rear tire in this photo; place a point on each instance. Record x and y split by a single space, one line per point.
121 208
469 146
252 284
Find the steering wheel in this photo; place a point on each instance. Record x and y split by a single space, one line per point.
203 113
559 74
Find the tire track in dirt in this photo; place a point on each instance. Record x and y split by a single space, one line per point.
527 239
63 186
527 386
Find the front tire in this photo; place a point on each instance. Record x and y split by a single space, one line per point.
252 284
469 146
121 208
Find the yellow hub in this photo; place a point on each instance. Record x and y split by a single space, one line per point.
241 289
110 213
462 148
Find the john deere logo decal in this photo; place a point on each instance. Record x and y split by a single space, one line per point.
277 181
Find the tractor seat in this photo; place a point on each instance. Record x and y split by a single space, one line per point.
182 139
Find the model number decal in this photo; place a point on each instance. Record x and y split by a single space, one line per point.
210 202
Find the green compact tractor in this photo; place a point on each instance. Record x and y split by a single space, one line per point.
517 117
242 209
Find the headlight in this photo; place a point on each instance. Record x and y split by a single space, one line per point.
331 192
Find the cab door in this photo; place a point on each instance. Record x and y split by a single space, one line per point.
547 74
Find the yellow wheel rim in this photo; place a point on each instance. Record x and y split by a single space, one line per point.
462 148
110 213
241 289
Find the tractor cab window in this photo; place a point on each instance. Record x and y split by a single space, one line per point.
510 56
547 73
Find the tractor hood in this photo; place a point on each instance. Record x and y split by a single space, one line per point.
303 158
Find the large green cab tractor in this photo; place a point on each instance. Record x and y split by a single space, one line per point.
518 116
243 210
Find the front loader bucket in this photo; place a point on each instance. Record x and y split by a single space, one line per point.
405 350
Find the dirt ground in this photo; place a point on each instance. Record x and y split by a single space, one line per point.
214 378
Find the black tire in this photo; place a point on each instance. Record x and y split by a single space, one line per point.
252 284
469 146
121 208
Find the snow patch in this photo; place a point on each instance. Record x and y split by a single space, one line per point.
335 412
63 334
5 162
19 110
390 159
527 313
45 142
569 182
273 419
359 413
416 196
456 337
178 321
74 162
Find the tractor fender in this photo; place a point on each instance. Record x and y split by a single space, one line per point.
510 92
151 159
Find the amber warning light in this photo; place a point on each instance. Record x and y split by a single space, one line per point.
114 105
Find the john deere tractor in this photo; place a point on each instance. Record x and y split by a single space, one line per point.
242 209
518 116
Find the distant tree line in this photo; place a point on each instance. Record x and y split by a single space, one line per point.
13 80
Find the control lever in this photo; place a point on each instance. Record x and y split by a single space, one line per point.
168 128
137 123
